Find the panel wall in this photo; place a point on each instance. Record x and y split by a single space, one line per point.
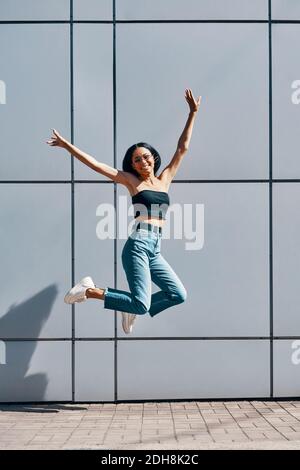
107 74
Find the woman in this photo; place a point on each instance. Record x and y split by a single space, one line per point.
141 257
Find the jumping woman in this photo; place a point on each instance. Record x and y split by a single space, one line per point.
141 256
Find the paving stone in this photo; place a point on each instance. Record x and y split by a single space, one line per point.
147 424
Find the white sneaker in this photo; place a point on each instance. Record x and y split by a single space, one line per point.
77 293
127 322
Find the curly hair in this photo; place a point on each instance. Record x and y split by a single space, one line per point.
127 160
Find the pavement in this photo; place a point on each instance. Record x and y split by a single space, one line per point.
164 425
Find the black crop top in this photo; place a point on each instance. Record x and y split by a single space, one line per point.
151 203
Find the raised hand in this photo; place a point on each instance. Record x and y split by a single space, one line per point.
193 104
56 139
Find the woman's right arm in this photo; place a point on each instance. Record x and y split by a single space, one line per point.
114 174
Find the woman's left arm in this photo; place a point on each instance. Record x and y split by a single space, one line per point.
183 143
184 139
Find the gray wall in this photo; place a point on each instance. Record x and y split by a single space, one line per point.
107 85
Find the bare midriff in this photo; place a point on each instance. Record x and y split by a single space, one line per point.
152 220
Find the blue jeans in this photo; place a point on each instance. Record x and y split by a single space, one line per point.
143 262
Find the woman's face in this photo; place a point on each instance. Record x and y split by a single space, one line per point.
143 161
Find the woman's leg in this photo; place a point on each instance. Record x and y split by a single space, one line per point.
172 290
95 293
135 262
140 270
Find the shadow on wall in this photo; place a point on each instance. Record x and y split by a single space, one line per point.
24 321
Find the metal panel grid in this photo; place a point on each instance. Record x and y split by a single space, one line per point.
115 340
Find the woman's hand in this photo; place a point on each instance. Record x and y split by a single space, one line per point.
56 139
194 105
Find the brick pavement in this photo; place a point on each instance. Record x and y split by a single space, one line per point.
164 425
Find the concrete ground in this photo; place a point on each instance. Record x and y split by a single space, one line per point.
165 425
